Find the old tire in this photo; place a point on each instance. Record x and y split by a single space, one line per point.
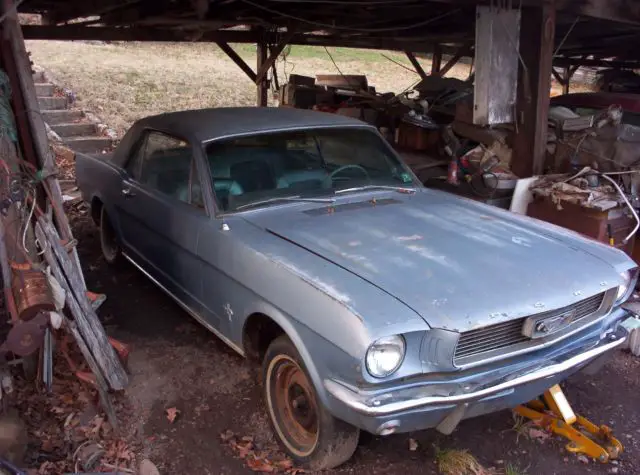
109 244
303 426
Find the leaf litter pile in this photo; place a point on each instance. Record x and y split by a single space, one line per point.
67 431
264 458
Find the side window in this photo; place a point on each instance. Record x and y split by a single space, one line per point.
135 160
167 166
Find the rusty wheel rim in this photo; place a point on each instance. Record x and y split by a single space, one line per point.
294 405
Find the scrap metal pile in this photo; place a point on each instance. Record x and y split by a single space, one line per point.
430 124
44 289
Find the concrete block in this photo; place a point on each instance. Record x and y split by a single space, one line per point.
74 129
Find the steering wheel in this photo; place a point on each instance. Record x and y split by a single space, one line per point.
347 167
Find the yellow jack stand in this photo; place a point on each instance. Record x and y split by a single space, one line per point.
553 412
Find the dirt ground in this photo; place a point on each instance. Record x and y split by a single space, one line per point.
175 363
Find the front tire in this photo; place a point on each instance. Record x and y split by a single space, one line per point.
309 434
109 244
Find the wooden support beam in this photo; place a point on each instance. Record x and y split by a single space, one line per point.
147 33
416 65
537 34
436 60
275 52
261 83
231 53
463 51
557 76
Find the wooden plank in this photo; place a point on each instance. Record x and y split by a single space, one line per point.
530 144
72 326
85 317
275 52
237 59
261 85
416 65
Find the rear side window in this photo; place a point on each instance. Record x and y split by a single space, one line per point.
165 163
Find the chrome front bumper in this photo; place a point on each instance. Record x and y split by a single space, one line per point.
392 401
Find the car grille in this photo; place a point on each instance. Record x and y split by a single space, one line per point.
506 334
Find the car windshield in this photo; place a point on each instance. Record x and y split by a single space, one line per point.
267 169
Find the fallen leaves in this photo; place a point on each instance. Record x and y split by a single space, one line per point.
259 459
413 445
172 413
540 435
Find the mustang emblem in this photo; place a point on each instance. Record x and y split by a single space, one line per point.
540 327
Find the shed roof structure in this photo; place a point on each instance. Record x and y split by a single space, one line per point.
587 31
553 33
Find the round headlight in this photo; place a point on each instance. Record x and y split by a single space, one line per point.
624 286
385 356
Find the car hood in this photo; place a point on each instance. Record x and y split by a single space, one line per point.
457 263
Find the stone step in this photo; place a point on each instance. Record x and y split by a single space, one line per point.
45 89
52 102
88 144
39 77
74 129
53 117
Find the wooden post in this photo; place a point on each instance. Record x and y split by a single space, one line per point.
536 49
436 60
261 84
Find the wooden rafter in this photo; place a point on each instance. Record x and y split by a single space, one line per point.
462 52
231 53
416 65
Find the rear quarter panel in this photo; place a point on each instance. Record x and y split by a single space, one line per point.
98 178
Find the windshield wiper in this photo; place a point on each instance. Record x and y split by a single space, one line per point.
286 198
399 189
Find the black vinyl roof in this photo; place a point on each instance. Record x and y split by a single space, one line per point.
210 124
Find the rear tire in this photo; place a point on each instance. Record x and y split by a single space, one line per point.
309 434
109 240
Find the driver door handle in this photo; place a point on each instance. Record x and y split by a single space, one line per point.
128 192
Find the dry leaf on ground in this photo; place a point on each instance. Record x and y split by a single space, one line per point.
260 465
172 413
413 445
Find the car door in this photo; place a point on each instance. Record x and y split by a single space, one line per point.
163 213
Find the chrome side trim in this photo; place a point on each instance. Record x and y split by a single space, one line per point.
186 308
371 405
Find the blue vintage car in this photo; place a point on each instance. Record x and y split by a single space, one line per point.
303 241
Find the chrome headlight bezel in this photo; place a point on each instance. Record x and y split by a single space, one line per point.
395 345
625 289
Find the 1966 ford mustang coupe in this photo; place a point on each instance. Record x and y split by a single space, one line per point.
301 239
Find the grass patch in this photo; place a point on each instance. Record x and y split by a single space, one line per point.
459 462
514 469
